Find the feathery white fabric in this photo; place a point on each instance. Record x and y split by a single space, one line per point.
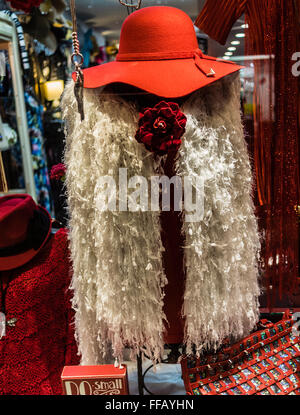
118 277
221 251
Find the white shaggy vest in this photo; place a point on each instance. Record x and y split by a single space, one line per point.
118 277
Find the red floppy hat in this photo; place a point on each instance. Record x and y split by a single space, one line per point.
24 230
159 54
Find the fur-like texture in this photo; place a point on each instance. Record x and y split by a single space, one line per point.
221 251
118 276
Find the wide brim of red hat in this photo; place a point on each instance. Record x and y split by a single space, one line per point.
16 261
166 78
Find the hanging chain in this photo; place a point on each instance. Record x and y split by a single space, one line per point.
130 5
77 60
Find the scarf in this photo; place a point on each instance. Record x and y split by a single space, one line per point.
118 277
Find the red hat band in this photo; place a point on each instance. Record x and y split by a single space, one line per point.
157 56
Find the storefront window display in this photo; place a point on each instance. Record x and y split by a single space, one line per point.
170 158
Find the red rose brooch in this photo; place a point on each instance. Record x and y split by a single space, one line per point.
161 127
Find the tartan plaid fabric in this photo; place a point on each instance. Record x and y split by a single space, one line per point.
265 363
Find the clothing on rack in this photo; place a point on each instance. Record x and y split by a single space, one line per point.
273 31
39 159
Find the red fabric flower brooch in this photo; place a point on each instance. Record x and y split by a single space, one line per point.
161 127
58 172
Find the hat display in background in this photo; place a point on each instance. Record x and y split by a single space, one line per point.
27 6
54 9
39 28
159 53
24 230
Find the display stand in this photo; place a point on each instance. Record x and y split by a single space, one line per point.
173 356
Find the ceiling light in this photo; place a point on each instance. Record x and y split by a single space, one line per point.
228 53
225 57
235 42
231 48
245 26
240 35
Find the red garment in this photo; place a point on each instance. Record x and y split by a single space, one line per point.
273 31
173 241
33 353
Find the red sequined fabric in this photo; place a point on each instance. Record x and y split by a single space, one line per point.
265 363
35 350
273 34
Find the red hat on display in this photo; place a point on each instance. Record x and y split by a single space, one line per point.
159 53
24 230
